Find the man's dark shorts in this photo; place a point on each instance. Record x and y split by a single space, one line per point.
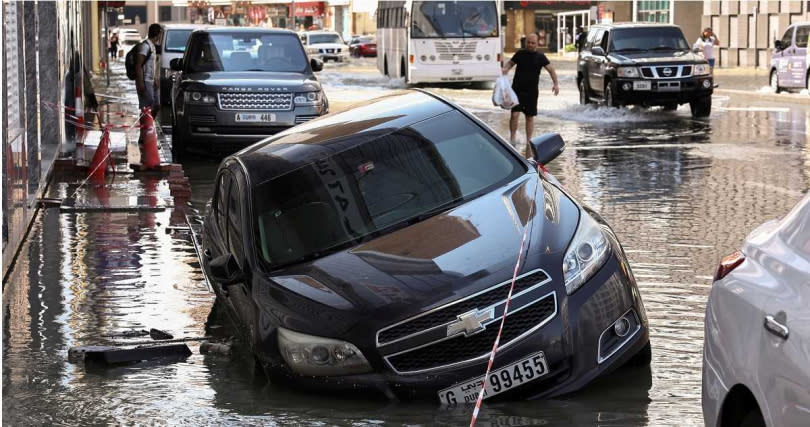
527 103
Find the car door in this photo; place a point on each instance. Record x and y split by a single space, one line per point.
783 58
596 64
800 63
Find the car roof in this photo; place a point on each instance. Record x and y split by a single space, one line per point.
337 132
224 29
634 25
183 26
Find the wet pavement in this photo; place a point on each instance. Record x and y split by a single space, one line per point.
680 194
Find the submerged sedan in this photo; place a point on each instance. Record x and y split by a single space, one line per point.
375 249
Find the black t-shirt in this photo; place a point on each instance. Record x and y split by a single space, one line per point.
529 65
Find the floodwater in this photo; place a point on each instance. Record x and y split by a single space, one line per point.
680 194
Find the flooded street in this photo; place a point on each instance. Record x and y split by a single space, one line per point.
680 193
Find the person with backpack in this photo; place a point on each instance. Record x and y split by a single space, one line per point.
147 82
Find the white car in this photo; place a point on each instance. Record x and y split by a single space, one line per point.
129 36
756 353
325 45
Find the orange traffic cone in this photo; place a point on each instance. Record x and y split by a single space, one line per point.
98 166
150 158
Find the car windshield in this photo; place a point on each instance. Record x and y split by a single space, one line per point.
648 38
434 19
325 38
246 52
176 40
377 186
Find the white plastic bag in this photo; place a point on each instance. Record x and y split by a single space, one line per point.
503 96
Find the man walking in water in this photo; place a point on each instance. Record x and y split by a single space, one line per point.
530 62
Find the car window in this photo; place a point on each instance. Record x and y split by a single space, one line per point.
431 19
801 35
597 40
592 36
176 40
648 38
210 52
787 39
325 38
234 220
378 186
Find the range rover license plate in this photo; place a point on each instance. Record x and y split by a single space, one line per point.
255 117
642 85
499 380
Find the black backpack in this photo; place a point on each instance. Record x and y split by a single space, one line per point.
129 60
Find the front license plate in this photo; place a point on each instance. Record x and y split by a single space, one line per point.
255 117
642 85
499 380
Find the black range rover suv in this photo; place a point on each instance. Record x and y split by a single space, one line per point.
643 64
236 86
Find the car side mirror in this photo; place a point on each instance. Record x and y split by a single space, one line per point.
225 270
547 147
597 50
777 44
316 64
176 64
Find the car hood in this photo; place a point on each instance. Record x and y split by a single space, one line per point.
653 58
250 80
442 259
328 45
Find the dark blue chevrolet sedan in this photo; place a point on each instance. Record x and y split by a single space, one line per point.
375 249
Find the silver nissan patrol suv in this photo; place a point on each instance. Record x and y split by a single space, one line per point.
236 86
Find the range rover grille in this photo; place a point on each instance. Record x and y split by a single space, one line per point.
256 101
448 313
461 349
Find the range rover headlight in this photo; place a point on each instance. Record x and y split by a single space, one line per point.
702 70
307 98
199 97
628 72
311 355
586 253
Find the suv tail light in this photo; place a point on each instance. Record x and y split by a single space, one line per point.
728 263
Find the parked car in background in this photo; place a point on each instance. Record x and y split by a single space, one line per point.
789 66
643 64
756 353
373 249
236 86
128 37
325 45
172 45
363 46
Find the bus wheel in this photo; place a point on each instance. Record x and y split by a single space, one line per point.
385 67
402 70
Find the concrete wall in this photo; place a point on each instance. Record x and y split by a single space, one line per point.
687 15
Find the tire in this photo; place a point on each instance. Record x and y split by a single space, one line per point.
774 81
807 81
610 96
701 107
584 98
670 107
385 67
403 70
178 143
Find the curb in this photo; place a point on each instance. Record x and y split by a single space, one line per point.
774 97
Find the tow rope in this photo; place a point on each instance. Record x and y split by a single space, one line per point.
540 168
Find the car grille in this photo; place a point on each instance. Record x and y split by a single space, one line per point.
659 72
448 51
202 119
449 312
303 119
256 101
461 349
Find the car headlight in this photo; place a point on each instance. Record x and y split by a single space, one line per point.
586 253
311 355
198 97
628 72
702 69
312 50
307 98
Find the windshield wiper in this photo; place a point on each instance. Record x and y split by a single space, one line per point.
664 48
438 209
630 49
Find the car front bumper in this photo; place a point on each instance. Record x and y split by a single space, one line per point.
569 341
660 92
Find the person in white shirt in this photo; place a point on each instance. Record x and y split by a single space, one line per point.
706 43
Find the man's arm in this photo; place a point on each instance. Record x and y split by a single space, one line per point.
716 39
553 74
140 86
507 67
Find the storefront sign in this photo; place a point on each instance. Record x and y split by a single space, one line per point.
314 8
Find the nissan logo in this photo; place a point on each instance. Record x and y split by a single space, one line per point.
667 71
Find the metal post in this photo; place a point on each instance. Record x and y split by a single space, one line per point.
292 15
107 33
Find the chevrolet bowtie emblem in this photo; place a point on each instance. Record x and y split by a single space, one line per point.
471 322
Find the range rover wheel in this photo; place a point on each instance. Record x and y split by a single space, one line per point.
610 96
670 107
178 143
775 82
701 107
583 94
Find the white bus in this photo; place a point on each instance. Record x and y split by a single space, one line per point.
439 41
